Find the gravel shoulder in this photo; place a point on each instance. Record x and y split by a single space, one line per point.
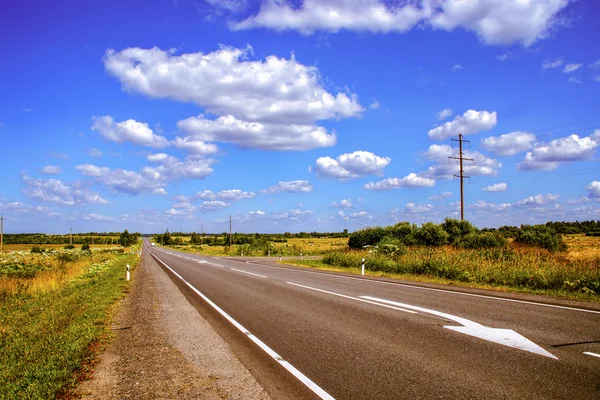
163 349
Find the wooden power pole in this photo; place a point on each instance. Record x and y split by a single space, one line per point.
461 173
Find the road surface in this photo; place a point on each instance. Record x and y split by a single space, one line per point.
310 334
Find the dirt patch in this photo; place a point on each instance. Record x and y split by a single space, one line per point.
155 355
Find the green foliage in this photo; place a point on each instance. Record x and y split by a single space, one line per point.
36 249
391 246
366 237
430 234
542 236
69 247
480 240
457 229
127 239
85 246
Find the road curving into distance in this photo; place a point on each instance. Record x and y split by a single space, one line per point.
309 334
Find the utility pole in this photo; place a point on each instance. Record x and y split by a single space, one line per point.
461 173
230 231
1 231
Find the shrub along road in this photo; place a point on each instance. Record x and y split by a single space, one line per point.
348 337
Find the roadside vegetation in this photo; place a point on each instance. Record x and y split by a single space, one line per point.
54 310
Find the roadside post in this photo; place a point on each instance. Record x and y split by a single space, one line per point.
128 272
280 258
242 253
269 253
363 267
301 256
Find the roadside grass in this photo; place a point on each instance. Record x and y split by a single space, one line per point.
51 329
27 247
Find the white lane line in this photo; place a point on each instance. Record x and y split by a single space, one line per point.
201 262
216 265
591 354
350 297
435 290
249 273
289 367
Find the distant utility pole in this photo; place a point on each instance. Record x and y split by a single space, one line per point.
1 230
71 241
230 231
461 173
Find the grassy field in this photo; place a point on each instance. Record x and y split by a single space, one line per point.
27 247
54 310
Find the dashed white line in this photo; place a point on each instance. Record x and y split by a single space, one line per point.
249 273
289 367
589 353
352 298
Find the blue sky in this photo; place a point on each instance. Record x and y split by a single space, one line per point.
296 115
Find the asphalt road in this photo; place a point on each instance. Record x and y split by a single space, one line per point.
355 338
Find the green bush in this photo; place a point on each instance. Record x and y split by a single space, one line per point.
480 240
404 231
366 237
457 229
69 247
430 234
36 249
392 246
542 236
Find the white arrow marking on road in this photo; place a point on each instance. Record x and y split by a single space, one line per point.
506 337
589 353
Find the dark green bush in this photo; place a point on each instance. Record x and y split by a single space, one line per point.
36 249
540 235
457 229
430 234
480 240
366 237
392 246
69 247
404 231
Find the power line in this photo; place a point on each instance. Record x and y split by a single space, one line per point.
569 124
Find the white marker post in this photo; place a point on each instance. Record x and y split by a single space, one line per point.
363 266
301 256
128 272
280 258
269 254
242 253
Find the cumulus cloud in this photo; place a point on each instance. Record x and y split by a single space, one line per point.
495 22
444 114
469 123
509 144
457 67
51 170
290 187
345 203
441 196
351 165
150 179
412 208
574 79
56 191
229 5
549 64
97 218
480 166
481 205
537 200
266 136
547 156
128 131
595 64
195 146
93 152
225 195
594 188
411 180
571 67
498 187
213 205
226 82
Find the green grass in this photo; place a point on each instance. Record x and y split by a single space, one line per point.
47 339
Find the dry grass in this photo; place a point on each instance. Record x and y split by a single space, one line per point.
319 245
27 247
582 247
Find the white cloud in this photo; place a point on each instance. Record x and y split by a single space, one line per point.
225 82
93 152
360 215
444 114
467 124
374 105
229 5
574 79
56 191
412 208
571 67
498 187
195 146
411 180
97 218
481 205
128 131
594 188
509 144
213 205
505 56
266 136
496 22
51 170
548 64
345 203
150 179
351 165
537 200
596 78
595 64
440 197
227 195
480 166
572 148
290 187
457 67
